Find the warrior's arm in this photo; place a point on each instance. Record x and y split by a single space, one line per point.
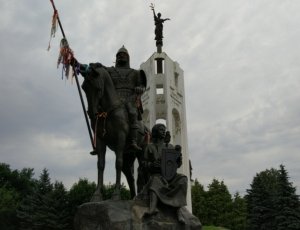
85 69
141 82
82 68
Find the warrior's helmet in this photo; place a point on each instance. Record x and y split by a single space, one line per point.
122 57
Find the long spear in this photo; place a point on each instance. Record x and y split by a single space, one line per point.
76 78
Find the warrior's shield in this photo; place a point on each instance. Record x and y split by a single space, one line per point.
169 163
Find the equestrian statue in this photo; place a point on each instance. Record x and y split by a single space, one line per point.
114 108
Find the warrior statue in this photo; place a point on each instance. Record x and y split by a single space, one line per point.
130 85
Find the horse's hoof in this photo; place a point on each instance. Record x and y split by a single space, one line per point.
116 196
97 197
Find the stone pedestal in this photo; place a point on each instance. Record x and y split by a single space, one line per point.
129 215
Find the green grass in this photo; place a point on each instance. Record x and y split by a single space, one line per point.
213 228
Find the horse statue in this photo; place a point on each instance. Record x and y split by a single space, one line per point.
109 121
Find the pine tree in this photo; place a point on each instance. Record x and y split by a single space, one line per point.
216 207
272 202
239 211
260 201
59 198
287 204
218 204
32 210
45 208
44 185
9 201
198 201
43 216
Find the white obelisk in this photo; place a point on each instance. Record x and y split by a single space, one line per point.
164 100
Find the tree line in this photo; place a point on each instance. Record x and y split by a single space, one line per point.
271 203
27 203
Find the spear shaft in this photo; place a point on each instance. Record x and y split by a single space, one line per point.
77 82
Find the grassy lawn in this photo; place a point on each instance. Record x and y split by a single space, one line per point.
213 228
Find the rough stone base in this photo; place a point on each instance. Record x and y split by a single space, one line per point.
129 215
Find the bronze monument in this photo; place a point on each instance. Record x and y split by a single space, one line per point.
114 108
158 21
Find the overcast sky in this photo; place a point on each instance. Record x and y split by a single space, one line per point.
242 78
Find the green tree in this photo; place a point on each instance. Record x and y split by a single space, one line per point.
272 202
31 212
216 207
14 186
9 201
260 200
22 181
80 192
44 185
60 204
239 212
287 203
44 208
198 201
218 204
108 191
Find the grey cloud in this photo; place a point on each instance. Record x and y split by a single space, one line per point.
241 63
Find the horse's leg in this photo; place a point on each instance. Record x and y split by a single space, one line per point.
101 151
141 174
128 171
119 165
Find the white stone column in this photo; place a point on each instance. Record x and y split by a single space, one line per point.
165 99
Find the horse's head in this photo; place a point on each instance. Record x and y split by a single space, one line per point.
93 87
